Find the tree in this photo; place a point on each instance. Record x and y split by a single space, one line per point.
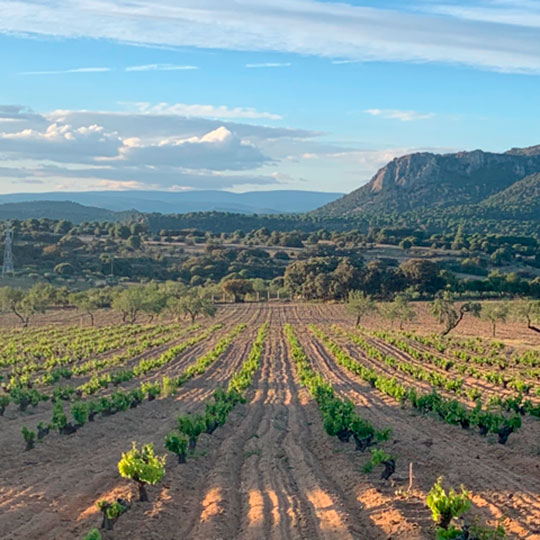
134 241
130 302
25 304
495 312
405 244
64 269
404 312
143 467
444 310
529 310
259 286
423 275
90 301
360 305
191 305
154 300
237 288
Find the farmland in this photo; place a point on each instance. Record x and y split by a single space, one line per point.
277 463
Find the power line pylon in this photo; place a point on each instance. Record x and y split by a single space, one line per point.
7 267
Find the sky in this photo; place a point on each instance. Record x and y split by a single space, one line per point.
256 94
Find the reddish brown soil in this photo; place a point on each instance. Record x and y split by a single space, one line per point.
271 471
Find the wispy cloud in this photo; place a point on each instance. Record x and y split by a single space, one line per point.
269 65
402 116
203 111
499 35
510 12
161 67
63 71
339 62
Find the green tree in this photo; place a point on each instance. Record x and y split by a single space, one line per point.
64 269
446 313
237 288
25 304
191 305
134 241
154 300
529 311
403 309
130 303
495 312
359 304
90 301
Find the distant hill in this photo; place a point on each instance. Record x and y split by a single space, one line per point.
426 181
167 202
521 200
74 212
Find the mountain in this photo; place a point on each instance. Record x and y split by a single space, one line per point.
74 212
170 202
429 181
520 200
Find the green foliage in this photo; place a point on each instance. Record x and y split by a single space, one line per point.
29 437
112 510
93 534
59 418
142 466
446 506
339 416
378 457
80 412
360 305
177 445
4 402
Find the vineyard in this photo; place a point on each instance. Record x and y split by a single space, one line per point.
267 421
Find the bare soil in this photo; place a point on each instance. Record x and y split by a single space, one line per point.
271 472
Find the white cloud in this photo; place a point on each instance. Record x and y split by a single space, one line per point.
218 150
86 149
509 12
204 111
495 35
161 67
402 116
63 71
269 65
60 142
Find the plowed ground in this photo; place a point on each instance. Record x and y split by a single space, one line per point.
271 472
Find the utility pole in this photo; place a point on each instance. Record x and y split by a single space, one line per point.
7 267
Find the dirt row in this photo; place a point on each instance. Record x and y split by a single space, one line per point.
271 471
504 483
524 441
51 491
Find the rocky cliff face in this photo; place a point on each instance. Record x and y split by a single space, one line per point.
427 180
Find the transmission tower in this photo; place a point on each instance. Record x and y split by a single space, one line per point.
7 267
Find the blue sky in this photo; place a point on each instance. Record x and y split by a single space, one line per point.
256 94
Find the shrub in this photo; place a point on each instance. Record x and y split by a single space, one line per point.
380 457
143 467
4 402
111 512
94 534
445 507
29 437
177 445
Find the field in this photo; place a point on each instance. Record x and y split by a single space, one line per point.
271 470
